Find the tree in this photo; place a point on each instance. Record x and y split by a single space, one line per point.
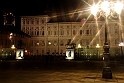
20 44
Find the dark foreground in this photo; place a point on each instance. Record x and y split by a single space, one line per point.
24 71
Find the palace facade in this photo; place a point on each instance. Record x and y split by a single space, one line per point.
52 36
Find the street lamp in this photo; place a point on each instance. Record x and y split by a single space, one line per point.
97 46
79 46
49 46
13 46
121 44
107 9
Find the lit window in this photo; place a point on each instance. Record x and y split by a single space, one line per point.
38 43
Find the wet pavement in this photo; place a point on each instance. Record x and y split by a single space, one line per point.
24 71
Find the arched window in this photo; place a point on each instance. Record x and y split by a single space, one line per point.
61 43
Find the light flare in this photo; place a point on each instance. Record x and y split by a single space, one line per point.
79 30
94 9
118 7
96 36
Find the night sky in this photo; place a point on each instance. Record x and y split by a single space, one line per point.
37 7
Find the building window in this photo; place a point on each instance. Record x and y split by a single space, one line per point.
42 32
61 44
74 32
48 32
37 33
32 33
42 43
43 21
54 32
23 21
32 28
55 43
62 32
67 26
87 32
80 32
67 32
116 31
32 21
27 22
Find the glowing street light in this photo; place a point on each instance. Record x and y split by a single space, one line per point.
121 44
97 46
13 46
107 9
10 35
26 51
79 46
49 43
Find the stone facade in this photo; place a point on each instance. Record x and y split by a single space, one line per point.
52 37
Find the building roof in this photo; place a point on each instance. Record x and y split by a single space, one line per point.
75 17
10 28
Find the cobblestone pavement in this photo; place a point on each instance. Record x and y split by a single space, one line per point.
17 71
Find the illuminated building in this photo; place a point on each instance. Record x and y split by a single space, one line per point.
51 34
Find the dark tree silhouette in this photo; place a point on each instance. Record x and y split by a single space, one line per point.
20 44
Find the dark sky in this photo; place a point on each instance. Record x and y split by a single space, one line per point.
37 7
34 7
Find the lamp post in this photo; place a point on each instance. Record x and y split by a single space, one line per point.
106 9
121 44
97 46
49 46
12 44
79 46
10 37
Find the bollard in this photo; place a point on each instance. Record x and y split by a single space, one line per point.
107 74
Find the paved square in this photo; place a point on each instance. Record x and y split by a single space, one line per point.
58 72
